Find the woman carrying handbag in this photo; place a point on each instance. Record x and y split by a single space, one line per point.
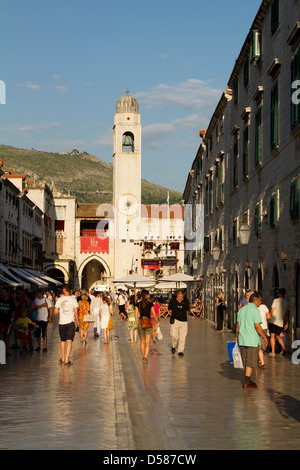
143 319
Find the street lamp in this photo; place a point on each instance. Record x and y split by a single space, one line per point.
245 234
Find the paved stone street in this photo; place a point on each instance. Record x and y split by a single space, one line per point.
109 400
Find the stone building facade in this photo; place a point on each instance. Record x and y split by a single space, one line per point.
246 172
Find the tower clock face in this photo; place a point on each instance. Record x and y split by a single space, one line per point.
128 205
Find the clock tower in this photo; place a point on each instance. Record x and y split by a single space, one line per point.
126 185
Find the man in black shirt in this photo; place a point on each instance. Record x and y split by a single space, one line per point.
179 308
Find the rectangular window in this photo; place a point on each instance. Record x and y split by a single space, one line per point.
246 152
235 163
274 115
274 211
295 102
206 198
236 91
295 200
246 72
206 244
274 16
221 182
234 232
217 186
210 198
258 136
256 46
257 220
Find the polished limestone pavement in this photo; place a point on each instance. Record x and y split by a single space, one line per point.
109 400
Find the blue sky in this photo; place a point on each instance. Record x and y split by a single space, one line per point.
66 63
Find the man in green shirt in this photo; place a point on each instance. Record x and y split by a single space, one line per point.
248 335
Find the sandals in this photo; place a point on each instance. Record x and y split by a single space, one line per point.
66 363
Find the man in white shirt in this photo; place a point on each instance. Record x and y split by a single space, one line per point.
278 321
67 308
41 306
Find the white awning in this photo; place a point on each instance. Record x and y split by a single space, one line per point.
32 279
16 279
43 277
9 281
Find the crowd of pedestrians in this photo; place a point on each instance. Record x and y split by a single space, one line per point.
25 315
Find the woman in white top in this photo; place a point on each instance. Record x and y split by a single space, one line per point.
105 312
96 304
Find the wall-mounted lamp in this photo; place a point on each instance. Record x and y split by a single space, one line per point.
245 232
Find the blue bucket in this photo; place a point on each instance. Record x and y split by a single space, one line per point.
230 346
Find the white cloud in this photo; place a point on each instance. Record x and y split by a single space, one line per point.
190 95
26 129
29 85
105 139
184 131
61 89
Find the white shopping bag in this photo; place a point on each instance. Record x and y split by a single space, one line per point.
159 333
237 358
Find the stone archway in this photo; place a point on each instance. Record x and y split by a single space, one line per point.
56 274
93 272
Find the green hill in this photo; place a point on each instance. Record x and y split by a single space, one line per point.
80 174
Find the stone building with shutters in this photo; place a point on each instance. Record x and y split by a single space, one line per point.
246 172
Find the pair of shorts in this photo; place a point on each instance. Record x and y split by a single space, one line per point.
275 329
67 331
4 328
22 335
147 331
42 330
249 356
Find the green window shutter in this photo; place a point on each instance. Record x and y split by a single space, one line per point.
295 200
256 46
206 245
257 220
234 232
236 91
295 75
206 199
246 152
246 72
274 211
258 136
221 182
235 164
210 197
221 239
274 115
217 186
274 16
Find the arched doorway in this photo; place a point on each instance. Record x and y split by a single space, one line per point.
56 274
93 272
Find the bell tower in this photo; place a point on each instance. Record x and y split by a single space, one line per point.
127 138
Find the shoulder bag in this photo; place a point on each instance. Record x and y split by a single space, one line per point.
88 317
145 323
